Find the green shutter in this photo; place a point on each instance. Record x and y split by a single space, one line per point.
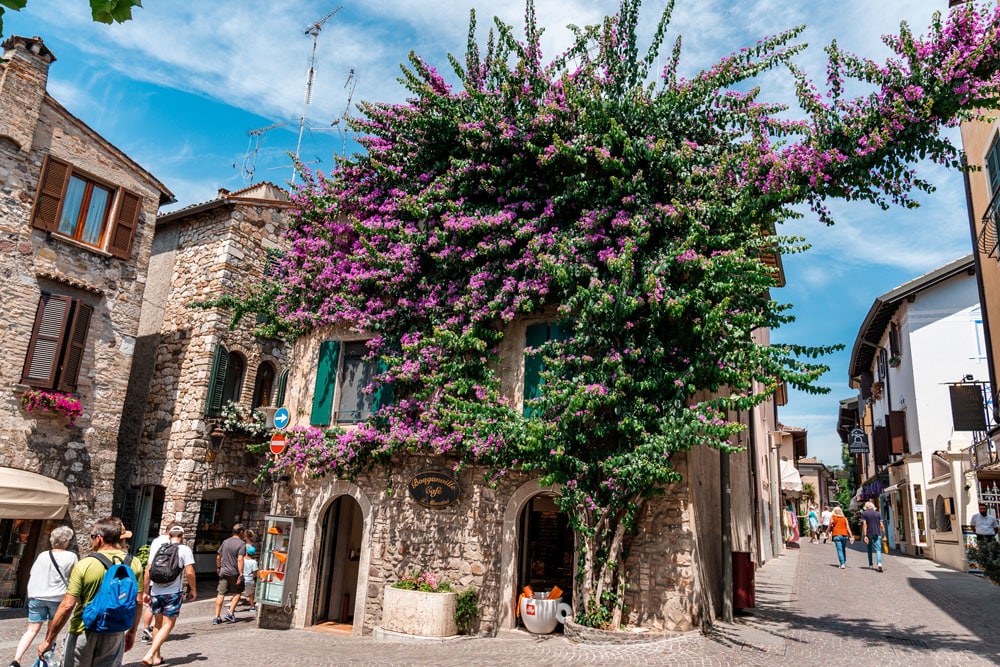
535 336
217 382
326 383
279 398
384 392
556 332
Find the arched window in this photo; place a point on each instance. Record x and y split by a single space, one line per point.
226 381
263 386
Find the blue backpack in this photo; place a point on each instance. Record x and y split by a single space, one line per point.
113 607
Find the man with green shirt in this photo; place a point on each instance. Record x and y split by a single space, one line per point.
83 647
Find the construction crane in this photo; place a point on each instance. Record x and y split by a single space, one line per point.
313 30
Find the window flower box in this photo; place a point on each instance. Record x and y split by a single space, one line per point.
39 401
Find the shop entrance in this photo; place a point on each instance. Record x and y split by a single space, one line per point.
546 548
339 556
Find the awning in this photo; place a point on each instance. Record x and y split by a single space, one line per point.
894 487
28 495
791 480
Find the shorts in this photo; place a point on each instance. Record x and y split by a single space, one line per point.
168 605
227 585
40 611
249 588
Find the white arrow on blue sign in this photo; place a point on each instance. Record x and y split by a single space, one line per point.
281 418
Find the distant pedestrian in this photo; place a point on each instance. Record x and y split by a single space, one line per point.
250 569
874 533
813 519
984 524
842 535
824 522
86 646
165 599
46 586
229 567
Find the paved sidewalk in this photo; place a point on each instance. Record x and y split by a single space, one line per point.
808 611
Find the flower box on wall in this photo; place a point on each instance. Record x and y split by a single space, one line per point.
39 402
419 613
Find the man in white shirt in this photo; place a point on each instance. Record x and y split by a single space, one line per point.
164 599
824 522
984 524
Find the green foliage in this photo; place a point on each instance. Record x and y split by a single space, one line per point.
986 554
466 609
143 553
426 582
260 300
103 11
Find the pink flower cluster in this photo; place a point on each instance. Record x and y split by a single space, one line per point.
56 402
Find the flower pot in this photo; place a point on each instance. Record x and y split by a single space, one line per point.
542 616
419 613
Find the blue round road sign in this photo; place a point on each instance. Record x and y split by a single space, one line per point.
281 418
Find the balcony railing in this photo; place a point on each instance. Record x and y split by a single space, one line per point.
988 237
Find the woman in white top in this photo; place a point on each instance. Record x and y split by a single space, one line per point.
46 586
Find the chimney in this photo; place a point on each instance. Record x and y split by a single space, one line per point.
23 78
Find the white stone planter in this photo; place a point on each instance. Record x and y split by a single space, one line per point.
418 613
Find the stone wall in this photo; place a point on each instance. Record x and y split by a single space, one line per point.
82 456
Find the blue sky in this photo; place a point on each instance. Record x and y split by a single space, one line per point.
180 86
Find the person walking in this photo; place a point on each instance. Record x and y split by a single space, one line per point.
229 567
46 586
85 647
165 599
842 535
984 524
824 522
813 519
874 533
250 569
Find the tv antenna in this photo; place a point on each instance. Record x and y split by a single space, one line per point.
313 30
349 85
250 157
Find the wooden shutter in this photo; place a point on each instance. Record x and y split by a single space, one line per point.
75 344
326 383
217 382
126 222
51 190
535 336
897 432
47 336
279 398
881 446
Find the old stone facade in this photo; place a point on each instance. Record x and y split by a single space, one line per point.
359 536
185 470
76 229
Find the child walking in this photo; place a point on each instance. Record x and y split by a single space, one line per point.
250 576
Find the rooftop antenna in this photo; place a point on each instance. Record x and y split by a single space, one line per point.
250 158
349 85
314 31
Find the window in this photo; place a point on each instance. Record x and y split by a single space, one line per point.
342 375
226 381
279 399
535 336
76 206
894 348
993 166
263 385
58 339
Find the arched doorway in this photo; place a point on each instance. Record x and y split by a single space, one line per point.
546 547
339 560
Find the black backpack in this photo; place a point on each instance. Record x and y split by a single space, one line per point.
166 564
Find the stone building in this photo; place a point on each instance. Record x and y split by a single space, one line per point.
356 537
76 229
184 468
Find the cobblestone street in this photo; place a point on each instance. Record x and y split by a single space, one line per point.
809 611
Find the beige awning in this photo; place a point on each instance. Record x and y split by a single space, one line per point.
28 495
791 481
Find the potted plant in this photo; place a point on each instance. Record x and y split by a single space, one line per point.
36 401
419 604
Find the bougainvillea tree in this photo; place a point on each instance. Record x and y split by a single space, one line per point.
639 209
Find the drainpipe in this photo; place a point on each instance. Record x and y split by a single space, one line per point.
776 509
727 545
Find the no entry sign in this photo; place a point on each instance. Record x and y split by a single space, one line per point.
278 443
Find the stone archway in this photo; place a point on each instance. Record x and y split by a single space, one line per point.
506 620
305 598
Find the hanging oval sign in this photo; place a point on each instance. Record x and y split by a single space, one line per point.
434 488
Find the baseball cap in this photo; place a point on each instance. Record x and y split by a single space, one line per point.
251 550
176 530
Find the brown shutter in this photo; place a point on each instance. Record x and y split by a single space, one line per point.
46 341
126 221
881 446
75 344
897 431
51 190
